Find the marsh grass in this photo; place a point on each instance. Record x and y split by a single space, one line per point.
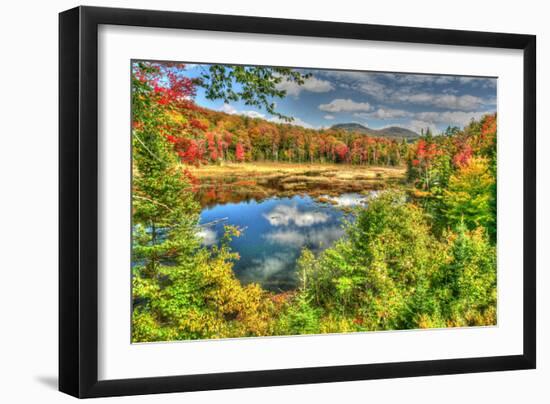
259 180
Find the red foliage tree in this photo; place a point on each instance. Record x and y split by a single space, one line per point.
463 156
239 152
341 150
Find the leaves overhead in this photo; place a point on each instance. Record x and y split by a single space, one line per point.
255 85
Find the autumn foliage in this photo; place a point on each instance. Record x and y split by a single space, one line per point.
420 256
200 136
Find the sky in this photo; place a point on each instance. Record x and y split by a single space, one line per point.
374 99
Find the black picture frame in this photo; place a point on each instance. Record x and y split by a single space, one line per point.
78 201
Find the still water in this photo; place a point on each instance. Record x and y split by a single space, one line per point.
275 231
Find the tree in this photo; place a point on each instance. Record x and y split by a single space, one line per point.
159 188
469 198
181 290
239 152
402 264
379 276
425 153
467 283
203 300
392 273
164 213
342 151
255 85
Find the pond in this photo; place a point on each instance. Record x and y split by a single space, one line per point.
275 231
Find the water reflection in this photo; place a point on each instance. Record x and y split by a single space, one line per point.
284 215
209 236
347 200
314 239
276 231
266 267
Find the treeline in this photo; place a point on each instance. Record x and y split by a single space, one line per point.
423 258
202 136
217 136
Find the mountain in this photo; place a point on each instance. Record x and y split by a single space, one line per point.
390 132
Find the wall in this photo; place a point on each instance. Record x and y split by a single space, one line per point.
28 170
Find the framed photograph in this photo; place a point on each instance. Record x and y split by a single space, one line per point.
251 201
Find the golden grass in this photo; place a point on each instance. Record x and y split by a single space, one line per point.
342 171
263 179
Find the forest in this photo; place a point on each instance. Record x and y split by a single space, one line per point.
420 253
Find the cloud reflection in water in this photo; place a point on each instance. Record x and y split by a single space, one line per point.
266 267
209 236
284 215
347 200
276 231
316 238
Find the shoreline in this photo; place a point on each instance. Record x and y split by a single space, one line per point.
232 182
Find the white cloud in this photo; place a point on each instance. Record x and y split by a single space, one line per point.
284 215
229 109
266 267
253 114
325 237
459 118
311 84
286 237
449 101
412 89
418 126
431 119
465 80
450 91
329 116
208 236
295 121
377 90
479 81
345 105
343 75
347 200
299 122
316 238
385 113
421 78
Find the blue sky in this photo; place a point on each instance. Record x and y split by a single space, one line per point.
376 100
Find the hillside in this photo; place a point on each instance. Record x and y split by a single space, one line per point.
389 132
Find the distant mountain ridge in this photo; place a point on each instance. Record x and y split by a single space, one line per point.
389 132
